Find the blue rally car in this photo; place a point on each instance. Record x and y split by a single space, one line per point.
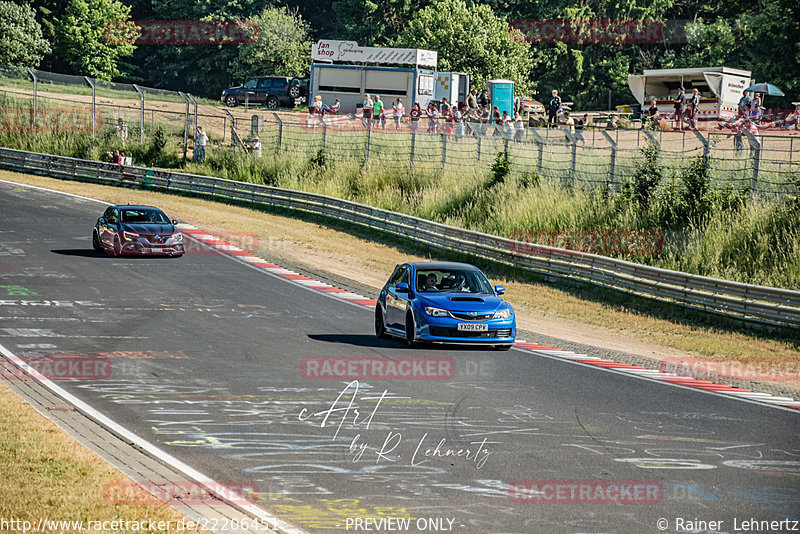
444 303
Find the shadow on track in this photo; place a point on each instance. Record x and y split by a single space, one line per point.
369 340
90 253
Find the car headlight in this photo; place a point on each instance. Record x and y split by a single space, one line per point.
436 312
178 237
130 236
505 313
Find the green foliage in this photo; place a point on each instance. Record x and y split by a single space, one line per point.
647 175
501 168
469 38
22 43
319 160
530 179
283 47
374 22
81 40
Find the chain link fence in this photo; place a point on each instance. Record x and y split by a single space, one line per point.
766 164
598 159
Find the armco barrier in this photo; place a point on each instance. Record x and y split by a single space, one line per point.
750 303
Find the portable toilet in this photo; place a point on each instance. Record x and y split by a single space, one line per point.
501 94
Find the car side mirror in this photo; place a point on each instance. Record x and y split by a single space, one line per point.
402 287
101 220
175 222
500 290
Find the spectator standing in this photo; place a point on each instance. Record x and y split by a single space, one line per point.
447 120
377 109
255 147
366 111
484 99
415 115
580 126
755 103
472 100
200 142
122 130
433 118
552 110
445 105
397 113
458 118
680 107
519 128
570 122
694 107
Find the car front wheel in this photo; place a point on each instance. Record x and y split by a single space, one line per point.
410 330
380 329
230 101
96 244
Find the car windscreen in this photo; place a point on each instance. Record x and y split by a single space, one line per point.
450 280
139 216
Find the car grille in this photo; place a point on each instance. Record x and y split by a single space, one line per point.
157 240
466 317
439 331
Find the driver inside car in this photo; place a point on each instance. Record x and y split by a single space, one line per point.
429 283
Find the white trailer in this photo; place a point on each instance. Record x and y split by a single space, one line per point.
720 89
454 86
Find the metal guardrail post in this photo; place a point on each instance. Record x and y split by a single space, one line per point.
705 145
94 108
35 92
141 113
612 168
185 126
755 150
280 132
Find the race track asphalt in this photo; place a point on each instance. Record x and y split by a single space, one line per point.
213 361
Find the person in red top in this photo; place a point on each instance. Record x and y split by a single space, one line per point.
415 115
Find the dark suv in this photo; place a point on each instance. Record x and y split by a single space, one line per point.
271 91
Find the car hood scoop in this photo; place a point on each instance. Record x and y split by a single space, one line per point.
466 299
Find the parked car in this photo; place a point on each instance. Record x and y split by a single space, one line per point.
444 303
270 91
137 230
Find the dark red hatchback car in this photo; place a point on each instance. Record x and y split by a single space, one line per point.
137 230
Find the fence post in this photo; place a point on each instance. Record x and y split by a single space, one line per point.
755 150
444 149
35 92
141 112
411 161
705 145
324 131
94 108
185 126
195 108
280 132
612 167
366 147
652 138
478 153
539 143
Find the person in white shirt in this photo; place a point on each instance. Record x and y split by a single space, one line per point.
255 147
200 142
397 111
366 111
570 122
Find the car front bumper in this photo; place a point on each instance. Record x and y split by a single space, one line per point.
445 330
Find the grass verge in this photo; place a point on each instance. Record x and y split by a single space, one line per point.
47 474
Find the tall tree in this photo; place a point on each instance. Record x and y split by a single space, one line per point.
374 22
283 47
81 39
22 43
471 39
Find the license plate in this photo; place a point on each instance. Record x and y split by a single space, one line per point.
473 327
